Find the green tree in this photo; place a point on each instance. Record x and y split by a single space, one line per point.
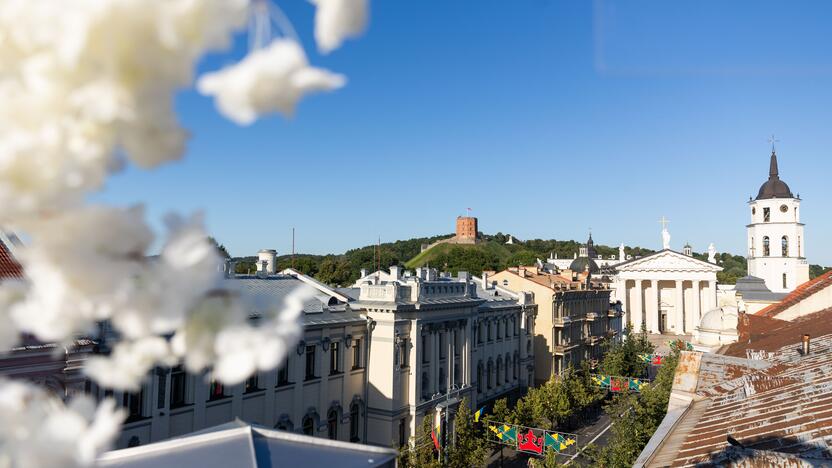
622 359
420 452
501 412
220 248
469 447
635 419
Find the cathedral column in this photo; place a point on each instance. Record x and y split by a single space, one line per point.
696 313
710 299
679 311
653 307
636 309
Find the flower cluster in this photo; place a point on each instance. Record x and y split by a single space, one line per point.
87 86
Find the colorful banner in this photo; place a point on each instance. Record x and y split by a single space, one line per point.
619 384
652 359
533 441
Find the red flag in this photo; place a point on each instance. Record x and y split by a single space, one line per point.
435 439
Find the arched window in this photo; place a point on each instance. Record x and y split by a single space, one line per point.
766 247
499 370
284 423
332 424
354 421
784 243
308 425
490 373
479 377
508 366
516 365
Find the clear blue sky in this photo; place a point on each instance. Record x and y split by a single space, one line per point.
545 117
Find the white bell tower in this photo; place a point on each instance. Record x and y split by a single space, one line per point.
776 245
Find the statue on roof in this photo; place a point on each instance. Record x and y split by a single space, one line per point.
712 253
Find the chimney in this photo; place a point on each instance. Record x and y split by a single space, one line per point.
363 272
395 273
267 261
806 342
485 280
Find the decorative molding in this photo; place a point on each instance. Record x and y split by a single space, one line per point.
301 348
668 260
325 343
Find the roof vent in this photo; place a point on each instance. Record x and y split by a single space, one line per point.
806 343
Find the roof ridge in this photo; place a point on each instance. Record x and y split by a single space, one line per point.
801 292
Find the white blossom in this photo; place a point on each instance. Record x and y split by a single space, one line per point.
81 79
129 363
37 429
337 20
272 79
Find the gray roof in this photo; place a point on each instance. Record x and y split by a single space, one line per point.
321 309
754 289
240 445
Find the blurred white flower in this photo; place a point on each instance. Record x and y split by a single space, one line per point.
128 364
37 429
272 79
81 79
337 20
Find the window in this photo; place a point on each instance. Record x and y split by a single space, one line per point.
356 354
490 373
402 432
134 403
499 371
425 386
508 366
216 391
516 365
784 246
442 379
283 374
508 330
766 215
457 344
785 281
490 336
310 362
479 377
766 247
334 358
332 424
425 348
178 388
354 422
480 332
403 358
253 383
308 425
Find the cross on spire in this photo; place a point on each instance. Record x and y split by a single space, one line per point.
773 140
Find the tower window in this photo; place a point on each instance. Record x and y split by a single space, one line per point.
785 281
766 247
785 246
766 215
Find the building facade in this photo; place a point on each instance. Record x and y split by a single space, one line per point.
444 339
776 241
574 318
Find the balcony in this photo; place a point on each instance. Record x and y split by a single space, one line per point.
562 321
592 316
563 348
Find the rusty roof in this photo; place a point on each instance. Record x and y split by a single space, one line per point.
9 268
778 408
802 292
761 333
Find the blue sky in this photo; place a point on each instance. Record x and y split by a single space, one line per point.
545 117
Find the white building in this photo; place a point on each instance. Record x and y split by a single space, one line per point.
437 339
776 244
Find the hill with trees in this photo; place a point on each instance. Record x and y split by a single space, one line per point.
492 253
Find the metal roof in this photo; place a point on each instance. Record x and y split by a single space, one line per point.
777 408
240 445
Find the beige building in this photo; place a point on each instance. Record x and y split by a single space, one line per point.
436 340
573 317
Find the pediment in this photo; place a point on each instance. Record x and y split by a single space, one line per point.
668 260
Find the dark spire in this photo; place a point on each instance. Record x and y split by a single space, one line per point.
773 171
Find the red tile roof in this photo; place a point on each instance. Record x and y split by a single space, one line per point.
802 292
9 268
